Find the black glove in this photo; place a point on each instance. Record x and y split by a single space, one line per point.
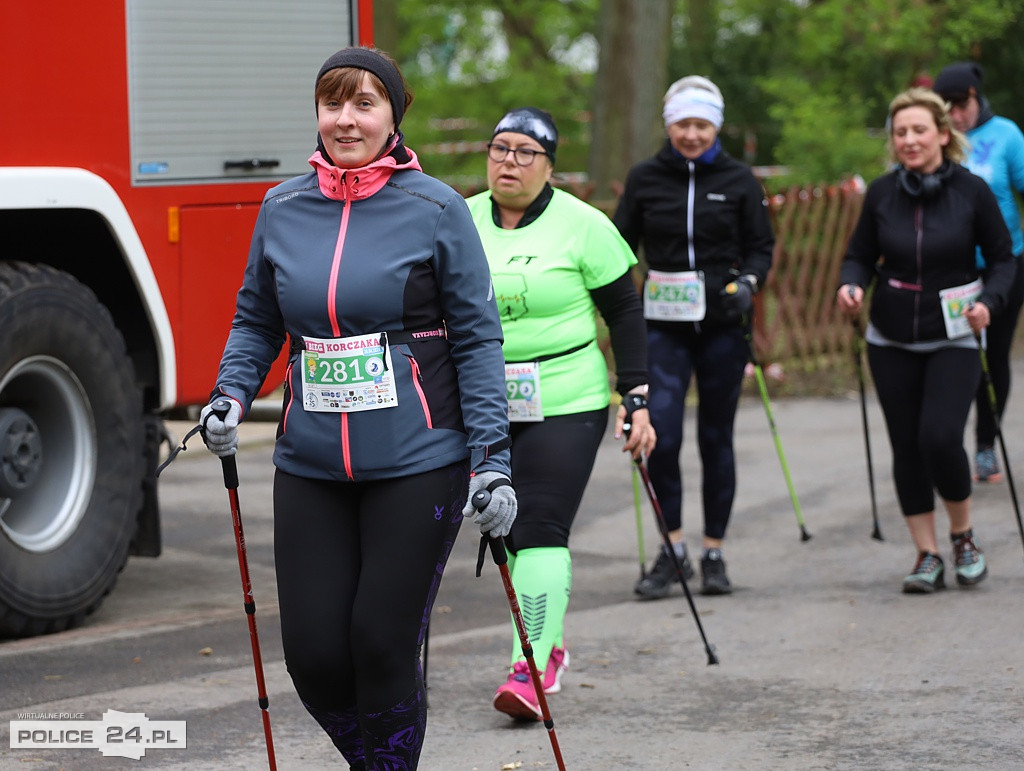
738 297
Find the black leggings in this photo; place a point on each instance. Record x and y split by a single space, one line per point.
358 567
551 463
926 398
998 341
717 358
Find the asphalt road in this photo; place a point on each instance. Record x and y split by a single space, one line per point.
824 664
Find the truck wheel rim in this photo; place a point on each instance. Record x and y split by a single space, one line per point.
45 512
21 452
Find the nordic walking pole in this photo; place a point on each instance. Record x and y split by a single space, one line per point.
763 388
641 468
663 529
220 409
639 524
994 406
876 533
500 557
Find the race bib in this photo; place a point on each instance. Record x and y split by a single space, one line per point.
347 374
675 296
955 301
522 387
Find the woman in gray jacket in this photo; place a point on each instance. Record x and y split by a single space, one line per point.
394 405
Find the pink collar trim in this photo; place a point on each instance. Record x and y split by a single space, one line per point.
356 184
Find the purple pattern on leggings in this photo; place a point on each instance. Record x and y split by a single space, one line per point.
458 493
344 730
393 738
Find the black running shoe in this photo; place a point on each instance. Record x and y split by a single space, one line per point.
713 577
659 580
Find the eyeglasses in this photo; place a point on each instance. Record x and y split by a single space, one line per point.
524 155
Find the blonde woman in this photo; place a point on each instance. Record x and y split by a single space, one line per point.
916 241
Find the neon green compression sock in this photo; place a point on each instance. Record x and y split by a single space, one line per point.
542 578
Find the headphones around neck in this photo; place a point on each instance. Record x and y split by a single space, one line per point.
926 186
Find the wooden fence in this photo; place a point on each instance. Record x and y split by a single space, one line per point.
797 323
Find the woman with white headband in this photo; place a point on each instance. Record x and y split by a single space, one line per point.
702 220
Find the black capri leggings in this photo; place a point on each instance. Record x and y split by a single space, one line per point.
551 463
358 567
926 398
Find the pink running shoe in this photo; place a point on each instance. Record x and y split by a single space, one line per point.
558 662
516 697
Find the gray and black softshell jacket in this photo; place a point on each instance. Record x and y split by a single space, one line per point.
385 248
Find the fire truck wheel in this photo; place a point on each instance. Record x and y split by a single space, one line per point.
71 451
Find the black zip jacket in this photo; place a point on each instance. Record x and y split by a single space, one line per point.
730 230
918 245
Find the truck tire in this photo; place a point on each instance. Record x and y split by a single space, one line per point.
71 450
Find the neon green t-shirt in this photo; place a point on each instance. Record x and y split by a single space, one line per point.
542 276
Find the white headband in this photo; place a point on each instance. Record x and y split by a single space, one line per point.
694 103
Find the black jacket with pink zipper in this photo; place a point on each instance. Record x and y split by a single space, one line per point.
385 248
916 246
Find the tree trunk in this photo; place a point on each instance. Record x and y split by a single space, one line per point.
386 31
632 76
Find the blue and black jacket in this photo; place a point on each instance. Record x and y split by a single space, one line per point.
385 248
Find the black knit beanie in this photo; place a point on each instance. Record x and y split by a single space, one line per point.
370 60
534 123
955 81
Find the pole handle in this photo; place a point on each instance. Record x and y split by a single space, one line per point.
220 408
481 498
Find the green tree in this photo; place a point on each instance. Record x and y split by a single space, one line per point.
806 82
736 43
831 86
631 79
468 62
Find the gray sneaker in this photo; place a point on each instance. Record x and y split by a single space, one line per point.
968 559
927 575
987 466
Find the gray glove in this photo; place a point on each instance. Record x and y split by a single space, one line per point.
221 436
496 517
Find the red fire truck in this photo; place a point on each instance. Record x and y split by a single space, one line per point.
137 138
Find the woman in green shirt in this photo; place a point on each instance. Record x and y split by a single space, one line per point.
554 260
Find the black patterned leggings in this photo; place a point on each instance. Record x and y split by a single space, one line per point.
358 568
717 359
